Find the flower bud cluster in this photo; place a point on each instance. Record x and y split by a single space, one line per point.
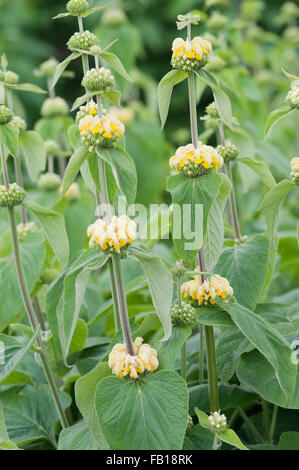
5 114
98 80
54 107
293 97
77 7
49 182
295 170
183 315
18 123
83 41
218 421
12 196
228 151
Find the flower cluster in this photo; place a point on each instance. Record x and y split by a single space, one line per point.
11 78
293 97
24 229
49 182
12 196
195 162
77 7
228 151
218 421
97 80
5 114
114 236
54 107
113 17
47 68
104 131
52 148
183 315
295 170
190 55
83 41
207 291
144 359
18 123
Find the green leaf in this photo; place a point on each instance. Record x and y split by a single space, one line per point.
33 255
222 100
230 437
81 100
9 137
165 88
61 15
74 136
230 346
113 96
213 241
34 152
169 350
124 171
113 61
77 437
245 266
261 169
230 396
198 438
31 416
3 431
270 208
14 352
160 285
276 116
27 87
269 342
74 287
203 418
85 389
290 75
91 11
189 226
256 373
54 227
62 66
73 167
129 411
211 316
289 441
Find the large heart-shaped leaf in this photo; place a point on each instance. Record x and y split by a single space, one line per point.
145 414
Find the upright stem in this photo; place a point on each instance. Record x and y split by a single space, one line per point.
122 304
28 304
193 111
51 89
273 423
201 355
114 295
250 425
266 419
19 177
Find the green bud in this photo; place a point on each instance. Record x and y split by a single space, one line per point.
293 97
83 41
98 80
212 110
179 269
52 148
11 78
24 229
192 170
77 7
113 17
218 421
188 65
49 182
183 316
228 151
12 196
47 68
5 114
54 107
95 50
48 275
18 123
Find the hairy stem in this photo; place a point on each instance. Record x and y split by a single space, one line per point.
234 204
114 295
19 177
201 355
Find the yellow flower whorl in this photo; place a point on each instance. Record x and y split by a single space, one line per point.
295 170
190 55
195 162
122 363
104 130
206 292
116 235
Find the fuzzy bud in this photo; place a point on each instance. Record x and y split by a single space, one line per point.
5 114
218 421
48 275
12 196
49 182
18 123
179 269
228 151
113 17
52 148
183 316
47 68
293 97
95 50
212 110
97 80
11 78
54 107
83 41
77 7
24 229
